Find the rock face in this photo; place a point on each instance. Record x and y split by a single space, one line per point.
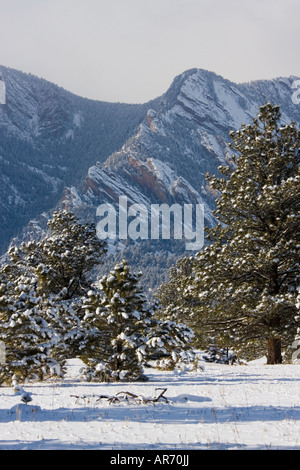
84 154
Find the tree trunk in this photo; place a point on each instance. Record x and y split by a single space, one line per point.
274 351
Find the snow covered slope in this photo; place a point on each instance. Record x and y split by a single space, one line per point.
253 407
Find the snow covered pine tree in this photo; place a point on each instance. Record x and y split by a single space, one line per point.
123 331
118 320
171 341
246 279
24 328
42 287
64 258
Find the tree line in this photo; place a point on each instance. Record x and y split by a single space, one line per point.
52 309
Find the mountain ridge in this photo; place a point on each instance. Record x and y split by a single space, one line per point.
167 159
49 138
161 155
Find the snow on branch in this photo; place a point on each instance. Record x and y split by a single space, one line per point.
126 397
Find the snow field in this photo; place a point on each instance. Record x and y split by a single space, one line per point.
223 407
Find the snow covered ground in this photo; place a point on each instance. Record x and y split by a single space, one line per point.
223 407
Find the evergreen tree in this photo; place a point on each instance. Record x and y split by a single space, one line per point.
170 340
25 329
41 302
246 278
172 295
65 257
219 355
62 262
175 336
118 320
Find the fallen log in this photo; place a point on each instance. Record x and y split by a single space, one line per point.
127 397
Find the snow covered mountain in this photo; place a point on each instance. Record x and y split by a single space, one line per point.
153 153
48 139
179 142
176 144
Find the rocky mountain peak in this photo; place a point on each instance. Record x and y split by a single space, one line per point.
79 154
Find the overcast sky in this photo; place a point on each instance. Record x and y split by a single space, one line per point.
130 50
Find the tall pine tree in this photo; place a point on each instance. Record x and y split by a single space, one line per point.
246 278
117 322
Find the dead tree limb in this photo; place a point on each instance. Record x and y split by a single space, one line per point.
125 396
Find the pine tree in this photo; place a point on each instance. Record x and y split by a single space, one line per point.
171 294
118 320
246 277
24 329
170 341
65 257
62 262
176 297
41 303
219 355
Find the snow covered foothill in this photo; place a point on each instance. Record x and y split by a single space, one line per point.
250 407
